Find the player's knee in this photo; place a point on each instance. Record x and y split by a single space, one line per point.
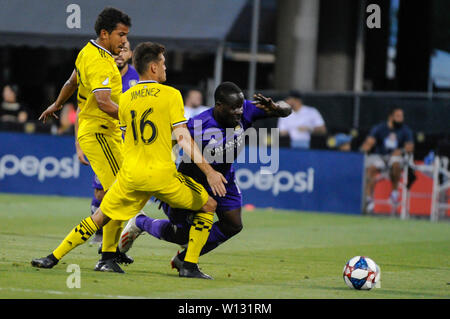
210 205
231 229
99 218
396 169
237 228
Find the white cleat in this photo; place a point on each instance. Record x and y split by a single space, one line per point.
129 234
176 262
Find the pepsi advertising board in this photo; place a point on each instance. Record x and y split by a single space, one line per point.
319 181
42 164
307 180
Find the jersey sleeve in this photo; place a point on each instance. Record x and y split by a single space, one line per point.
317 119
409 135
374 131
122 107
177 110
99 73
252 113
282 124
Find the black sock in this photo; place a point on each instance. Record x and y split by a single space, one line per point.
53 258
188 265
108 255
182 255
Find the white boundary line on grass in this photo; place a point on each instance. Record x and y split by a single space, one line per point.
56 292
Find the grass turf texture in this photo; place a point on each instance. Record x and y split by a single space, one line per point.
279 254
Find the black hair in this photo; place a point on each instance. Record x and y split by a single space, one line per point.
393 110
13 87
109 18
224 90
145 53
295 94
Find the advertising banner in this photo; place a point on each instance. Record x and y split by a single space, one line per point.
42 164
319 181
307 180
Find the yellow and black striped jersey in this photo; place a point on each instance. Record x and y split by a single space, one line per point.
149 110
96 70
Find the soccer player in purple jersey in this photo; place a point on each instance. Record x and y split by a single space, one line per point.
129 74
231 111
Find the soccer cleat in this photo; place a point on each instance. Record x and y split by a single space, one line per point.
176 262
45 262
193 272
122 258
108 265
129 234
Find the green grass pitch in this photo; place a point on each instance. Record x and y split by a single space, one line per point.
279 254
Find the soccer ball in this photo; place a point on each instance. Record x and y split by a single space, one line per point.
361 273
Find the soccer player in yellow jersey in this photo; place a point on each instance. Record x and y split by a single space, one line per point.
153 114
99 85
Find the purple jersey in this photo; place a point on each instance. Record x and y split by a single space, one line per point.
96 183
220 145
130 78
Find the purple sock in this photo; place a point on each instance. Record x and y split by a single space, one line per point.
216 237
154 227
95 203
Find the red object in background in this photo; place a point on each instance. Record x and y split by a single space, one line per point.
420 196
249 207
72 115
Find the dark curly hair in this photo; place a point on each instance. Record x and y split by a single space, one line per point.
109 18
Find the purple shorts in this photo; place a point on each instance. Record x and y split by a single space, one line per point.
232 200
96 183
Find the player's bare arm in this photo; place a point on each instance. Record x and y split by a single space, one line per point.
215 179
315 130
279 109
66 92
105 103
319 130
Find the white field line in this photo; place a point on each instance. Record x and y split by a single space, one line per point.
74 291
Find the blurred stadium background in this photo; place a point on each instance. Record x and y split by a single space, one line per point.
351 73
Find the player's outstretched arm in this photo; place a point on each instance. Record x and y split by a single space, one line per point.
279 109
105 103
66 92
215 179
